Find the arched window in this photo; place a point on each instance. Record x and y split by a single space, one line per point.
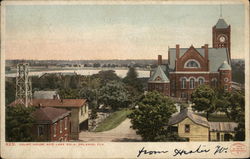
191 83
214 82
192 63
183 83
201 81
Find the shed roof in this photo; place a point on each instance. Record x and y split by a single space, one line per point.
54 102
223 126
216 57
49 114
186 113
159 76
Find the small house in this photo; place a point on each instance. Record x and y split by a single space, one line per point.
52 124
189 125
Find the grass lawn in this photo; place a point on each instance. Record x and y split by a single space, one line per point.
113 120
217 117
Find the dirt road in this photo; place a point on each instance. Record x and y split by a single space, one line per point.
122 133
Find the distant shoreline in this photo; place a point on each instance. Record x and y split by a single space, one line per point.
42 69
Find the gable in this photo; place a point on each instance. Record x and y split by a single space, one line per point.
159 76
216 57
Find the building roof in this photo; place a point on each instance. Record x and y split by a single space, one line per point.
221 24
186 113
225 66
45 94
49 114
54 102
159 76
223 126
216 57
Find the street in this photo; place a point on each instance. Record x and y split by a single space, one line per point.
122 133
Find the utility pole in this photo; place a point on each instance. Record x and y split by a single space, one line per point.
23 84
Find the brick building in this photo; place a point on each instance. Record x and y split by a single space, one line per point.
190 67
77 107
52 124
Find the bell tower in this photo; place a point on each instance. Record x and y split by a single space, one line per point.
222 35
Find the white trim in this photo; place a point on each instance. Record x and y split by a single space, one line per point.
185 65
193 83
65 123
201 78
198 79
183 83
187 72
214 79
54 129
192 77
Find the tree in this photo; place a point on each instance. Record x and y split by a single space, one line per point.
152 115
106 76
236 112
96 65
69 94
114 94
19 123
132 79
10 90
90 91
204 99
73 83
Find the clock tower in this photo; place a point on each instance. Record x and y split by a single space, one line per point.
222 35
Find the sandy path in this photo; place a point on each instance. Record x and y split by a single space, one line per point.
123 132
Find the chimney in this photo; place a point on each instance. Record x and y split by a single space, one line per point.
159 60
206 51
177 51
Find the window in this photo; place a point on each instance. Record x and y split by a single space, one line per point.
54 126
201 81
158 78
65 123
214 82
187 128
183 83
40 130
218 136
192 63
85 108
173 85
191 83
60 126
156 86
183 95
82 110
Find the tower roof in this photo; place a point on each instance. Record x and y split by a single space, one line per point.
159 76
225 66
221 24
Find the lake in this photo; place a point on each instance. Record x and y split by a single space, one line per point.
121 73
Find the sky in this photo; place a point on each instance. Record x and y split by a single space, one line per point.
89 32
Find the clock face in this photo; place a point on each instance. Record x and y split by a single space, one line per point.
222 39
